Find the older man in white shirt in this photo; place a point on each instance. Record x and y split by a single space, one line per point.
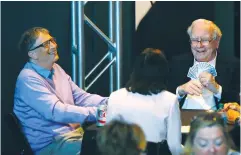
206 91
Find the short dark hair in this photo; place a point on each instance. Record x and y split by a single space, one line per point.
121 138
29 38
150 73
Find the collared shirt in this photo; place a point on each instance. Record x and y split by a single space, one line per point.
212 62
46 102
207 102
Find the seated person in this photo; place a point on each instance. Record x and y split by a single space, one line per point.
214 77
49 105
145 101
120 138
208 136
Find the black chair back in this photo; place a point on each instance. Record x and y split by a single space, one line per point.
89 146
15 127
160 148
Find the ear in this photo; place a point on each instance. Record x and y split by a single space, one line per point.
32 55
217 43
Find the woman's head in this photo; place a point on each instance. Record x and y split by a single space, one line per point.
208 136
150 73
119 138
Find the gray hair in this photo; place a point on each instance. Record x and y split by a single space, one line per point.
29 38
217 34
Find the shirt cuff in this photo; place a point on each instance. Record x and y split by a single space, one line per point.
105 102
218 95
178 96
92 115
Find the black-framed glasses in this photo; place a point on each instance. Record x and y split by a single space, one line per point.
205 42
45 44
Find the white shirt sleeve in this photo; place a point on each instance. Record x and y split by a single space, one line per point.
111 109
174 129
178 96
218 95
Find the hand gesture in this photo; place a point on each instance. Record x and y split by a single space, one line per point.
208 81
193 87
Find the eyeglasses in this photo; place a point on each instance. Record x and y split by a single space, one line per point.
195 41
45 44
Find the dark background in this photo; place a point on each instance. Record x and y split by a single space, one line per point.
55 16
163 27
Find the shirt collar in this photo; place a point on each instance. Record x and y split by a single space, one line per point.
212 62
42 71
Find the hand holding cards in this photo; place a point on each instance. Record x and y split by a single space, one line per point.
205 73
197 69
208 81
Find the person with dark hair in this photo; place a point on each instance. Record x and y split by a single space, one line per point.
121 138
146 102
208 136
49 105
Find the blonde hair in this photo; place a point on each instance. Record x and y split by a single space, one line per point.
202 121
120 138
216 32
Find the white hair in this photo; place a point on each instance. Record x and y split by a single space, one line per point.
217 34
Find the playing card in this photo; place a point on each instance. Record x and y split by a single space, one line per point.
195 70
206 67
192 73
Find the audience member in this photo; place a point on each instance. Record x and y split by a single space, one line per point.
208 136
49 105
146 102
204 90
120 138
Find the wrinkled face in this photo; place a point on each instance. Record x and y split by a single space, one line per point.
202 44
210 141
46 54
